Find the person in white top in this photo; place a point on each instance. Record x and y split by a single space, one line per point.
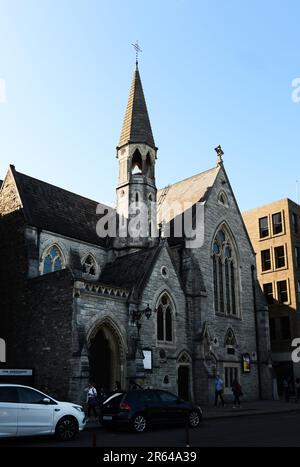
92 400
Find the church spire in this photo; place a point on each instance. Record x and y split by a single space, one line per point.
136 125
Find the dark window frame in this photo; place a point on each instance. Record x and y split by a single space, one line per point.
264 231
269 294
282 291
265 261
295 223
277 226
280 257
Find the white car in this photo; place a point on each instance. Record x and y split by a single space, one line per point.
25 411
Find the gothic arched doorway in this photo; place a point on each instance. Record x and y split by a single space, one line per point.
184 376
106 364
184 382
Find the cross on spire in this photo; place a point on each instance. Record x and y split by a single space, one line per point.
137 50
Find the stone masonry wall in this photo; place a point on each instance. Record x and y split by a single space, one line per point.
154 287
244 326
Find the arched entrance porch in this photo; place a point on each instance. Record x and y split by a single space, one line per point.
106 355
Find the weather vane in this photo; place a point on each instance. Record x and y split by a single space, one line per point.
137 50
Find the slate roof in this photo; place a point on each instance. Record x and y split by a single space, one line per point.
52 208
184 194
130 270
49 207
136 125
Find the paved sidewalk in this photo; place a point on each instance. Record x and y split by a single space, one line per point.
251 408
248 408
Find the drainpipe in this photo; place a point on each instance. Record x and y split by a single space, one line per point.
256 332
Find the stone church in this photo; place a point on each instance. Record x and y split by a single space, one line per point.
77 306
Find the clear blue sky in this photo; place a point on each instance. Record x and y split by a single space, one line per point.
214 72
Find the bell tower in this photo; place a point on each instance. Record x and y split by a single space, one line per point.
136 190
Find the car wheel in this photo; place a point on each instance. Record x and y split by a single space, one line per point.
194 418
139 423
66 429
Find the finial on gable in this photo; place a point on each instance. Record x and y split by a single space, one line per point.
220 154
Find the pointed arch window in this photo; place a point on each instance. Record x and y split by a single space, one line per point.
53 260
230 342
223 199
184 358
165 314
89 266
230 339
137 163
225 278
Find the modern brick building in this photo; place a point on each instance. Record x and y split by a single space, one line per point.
71 301
274 230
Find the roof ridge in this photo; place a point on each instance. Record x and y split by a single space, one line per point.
144 250
188 178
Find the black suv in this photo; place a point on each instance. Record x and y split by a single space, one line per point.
140 408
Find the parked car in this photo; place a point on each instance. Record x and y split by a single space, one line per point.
25 411
139 409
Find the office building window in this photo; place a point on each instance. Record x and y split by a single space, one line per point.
277 223
263 227
282 292
279 257
272 329
285 329
295 223
297 256
265 260
268 291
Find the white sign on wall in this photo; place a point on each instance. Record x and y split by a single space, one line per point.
147 359
15 372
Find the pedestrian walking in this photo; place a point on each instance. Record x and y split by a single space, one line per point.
92 400
219 387
237 393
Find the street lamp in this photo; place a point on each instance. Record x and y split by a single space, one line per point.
137 315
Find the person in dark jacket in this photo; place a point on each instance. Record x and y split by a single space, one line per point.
237 393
